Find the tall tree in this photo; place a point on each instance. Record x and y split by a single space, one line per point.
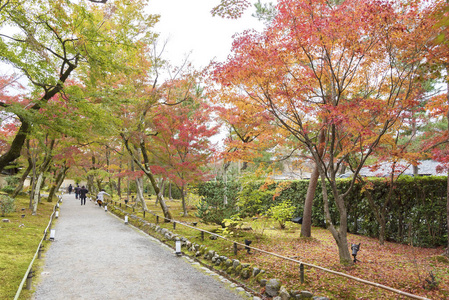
347 70
182 147
47 40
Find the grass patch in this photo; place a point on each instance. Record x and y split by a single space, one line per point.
18 244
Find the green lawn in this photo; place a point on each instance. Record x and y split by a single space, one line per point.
18 243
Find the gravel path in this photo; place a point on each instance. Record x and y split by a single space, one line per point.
96 256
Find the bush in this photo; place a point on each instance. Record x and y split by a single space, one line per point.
282 212
211 208
7 205
416 213
8 189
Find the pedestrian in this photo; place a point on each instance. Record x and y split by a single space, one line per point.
77 191
70 188
83 192
100 197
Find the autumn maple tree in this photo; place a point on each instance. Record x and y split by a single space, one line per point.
347 71
251 129
182 148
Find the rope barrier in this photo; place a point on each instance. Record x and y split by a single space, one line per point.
36 254
378 285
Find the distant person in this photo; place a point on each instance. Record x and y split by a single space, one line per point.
100 197
77 191
70 188
83 192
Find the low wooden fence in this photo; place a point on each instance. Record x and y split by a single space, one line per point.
27 278
300 263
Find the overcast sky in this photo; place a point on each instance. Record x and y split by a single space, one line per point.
190 27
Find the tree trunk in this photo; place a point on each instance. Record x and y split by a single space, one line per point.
340 236
161 187
16 146
306 227
58 181
169 191
24 176
184 206
447 214
33 183
140 198
142 153
37 192
415 168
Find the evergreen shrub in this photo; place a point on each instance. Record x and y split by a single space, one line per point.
7 205
416 212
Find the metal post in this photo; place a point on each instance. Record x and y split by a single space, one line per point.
235 248
157 219
29 279
301 273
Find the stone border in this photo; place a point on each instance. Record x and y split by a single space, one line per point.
231 270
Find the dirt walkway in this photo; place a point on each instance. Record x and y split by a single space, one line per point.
96 256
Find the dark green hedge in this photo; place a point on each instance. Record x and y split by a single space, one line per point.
416 212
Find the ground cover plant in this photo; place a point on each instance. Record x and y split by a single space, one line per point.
18 244
420 271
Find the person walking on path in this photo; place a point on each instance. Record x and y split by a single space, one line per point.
100 197
77 191
70 188
83 192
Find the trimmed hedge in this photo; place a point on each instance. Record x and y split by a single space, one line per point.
415 214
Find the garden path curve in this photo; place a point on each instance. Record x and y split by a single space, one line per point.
95 256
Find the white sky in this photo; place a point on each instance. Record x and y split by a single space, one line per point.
190 27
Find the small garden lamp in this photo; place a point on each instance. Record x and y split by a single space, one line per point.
178 247
355 248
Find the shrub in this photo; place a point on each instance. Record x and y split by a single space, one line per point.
8 189
230 226
7 205
211 208
282 212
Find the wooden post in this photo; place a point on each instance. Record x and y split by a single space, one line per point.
144 214
39 253
29 279
174 225
202 235
301 273
235 248
157 219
